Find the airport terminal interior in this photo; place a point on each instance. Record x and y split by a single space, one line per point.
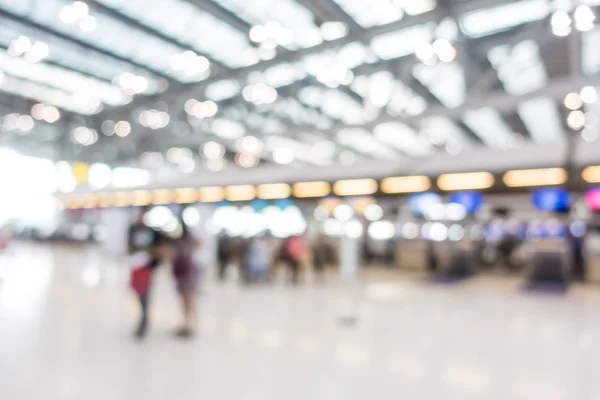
299 199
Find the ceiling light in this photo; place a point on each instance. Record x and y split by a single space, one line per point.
51 114
250 144
355 187
38 52
84 136
424 52
246 160
283 155
191 65
240 193
68 14
87 24
444 50
206 109
258 33
589 95
122 128
373 212
187 166
273 191
216 164
25 123
466 181
37 111
213 150
591 174
312 189
535 177
561 23
576 119
573 101
406 184
333 30
584 18
259 94
108 127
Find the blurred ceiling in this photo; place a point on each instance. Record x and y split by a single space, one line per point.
198 84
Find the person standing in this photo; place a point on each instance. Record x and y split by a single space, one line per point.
224 253
145 249
293 250
186 272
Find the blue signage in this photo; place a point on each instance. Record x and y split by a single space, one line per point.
471 201
418 203
551 200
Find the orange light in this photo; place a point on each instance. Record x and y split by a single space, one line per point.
591 174
273 191
186 196
163 196
240 193
405 184
466 181
355 187
312 189
122 199
359 204
535 177
141 198
211 194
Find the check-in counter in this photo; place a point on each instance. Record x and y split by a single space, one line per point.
551 261
414 254
591 254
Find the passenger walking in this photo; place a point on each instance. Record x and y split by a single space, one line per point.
292 252
187 277
146 248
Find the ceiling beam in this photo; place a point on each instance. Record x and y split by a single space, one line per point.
81 45
179 95
222 14
132 23
329 10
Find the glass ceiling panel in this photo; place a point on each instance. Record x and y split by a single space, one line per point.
289 13
542 119
489 126
109 35
521 68
369 13
362 141
401 43
64 80
589 52
493 20
45 95
403 138
62 52
222 90
444 81
190 25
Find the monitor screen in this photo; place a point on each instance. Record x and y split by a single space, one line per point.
471 201
551 200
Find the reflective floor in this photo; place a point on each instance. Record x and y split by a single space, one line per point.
66 318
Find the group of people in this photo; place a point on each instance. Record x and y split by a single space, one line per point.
256 257
259 256
148 248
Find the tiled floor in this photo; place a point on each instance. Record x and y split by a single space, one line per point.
66 316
